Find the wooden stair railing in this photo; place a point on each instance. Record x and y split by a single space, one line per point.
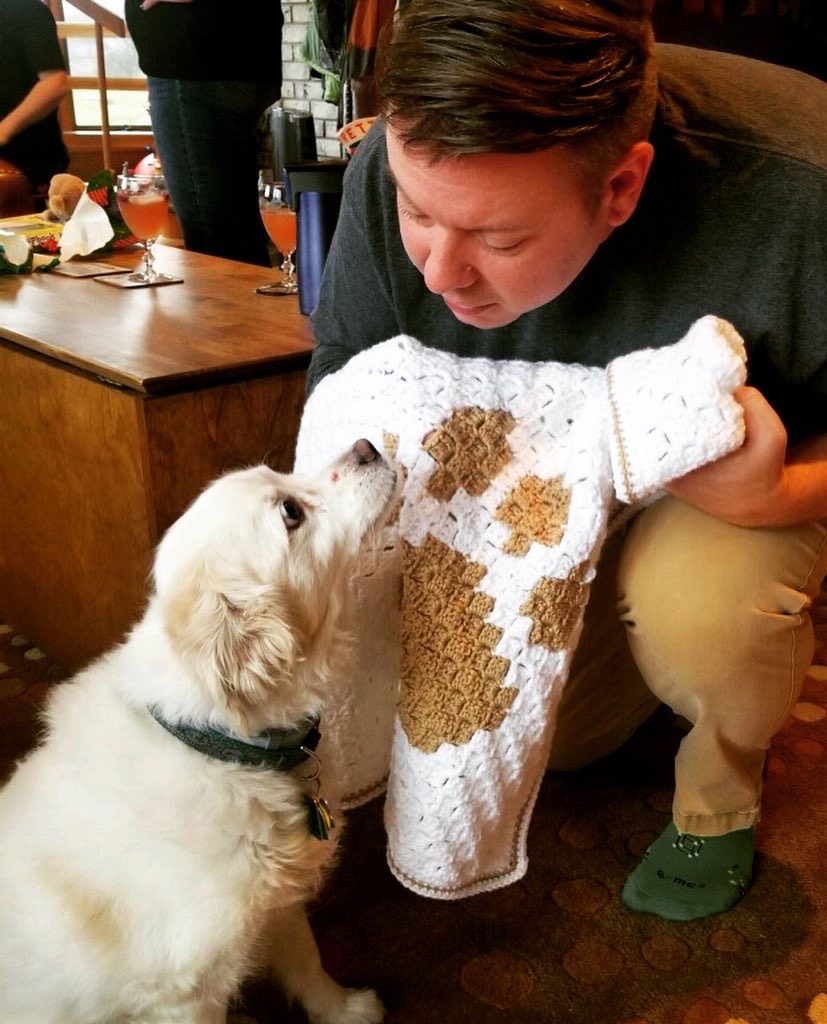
104 23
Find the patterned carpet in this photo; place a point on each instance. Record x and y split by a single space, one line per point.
559 947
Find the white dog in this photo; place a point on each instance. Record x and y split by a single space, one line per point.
158 847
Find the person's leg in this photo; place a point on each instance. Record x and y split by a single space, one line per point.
205 134
605 698
717 622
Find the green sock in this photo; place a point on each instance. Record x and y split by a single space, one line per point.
682 877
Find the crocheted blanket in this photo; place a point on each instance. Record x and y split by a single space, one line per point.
466 612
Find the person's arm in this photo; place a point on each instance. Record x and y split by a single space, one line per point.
41 100
762 483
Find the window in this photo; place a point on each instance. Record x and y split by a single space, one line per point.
127 108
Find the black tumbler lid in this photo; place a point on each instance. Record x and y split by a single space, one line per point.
316 175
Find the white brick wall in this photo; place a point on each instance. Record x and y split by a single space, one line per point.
298 90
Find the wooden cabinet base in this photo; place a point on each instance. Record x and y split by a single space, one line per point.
92 474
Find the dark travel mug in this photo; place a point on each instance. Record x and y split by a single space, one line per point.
316 189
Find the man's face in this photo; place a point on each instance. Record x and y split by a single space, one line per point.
495 234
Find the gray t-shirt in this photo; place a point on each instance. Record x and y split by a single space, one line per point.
732 221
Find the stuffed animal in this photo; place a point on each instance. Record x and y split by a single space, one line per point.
65 191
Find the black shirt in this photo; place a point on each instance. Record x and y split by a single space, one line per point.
28 46
208 40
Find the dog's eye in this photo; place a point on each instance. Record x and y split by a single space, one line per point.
291 513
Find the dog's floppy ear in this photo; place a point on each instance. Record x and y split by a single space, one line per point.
243 651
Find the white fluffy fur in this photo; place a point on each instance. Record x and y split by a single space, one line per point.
142 881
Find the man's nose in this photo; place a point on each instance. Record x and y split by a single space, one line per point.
446 266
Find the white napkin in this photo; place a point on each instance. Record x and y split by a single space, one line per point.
87 230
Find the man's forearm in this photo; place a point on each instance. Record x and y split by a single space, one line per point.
798 494
40 101
806 482
762 483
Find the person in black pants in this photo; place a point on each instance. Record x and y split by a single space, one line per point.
211 74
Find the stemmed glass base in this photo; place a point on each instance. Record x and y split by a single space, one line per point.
146 273
288 285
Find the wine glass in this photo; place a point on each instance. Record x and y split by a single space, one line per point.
280 224
143 201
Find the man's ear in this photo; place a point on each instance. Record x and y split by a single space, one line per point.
625 183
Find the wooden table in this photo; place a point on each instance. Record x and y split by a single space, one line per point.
117 407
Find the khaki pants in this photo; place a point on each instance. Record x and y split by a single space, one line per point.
712 620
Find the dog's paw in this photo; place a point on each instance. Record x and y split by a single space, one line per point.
357 1006
363 1007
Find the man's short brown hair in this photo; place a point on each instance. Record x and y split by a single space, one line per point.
475 76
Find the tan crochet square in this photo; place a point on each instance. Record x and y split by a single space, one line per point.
470 449
536 510
451 679
555 607
390 442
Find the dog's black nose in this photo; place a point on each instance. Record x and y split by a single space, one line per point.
364 451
